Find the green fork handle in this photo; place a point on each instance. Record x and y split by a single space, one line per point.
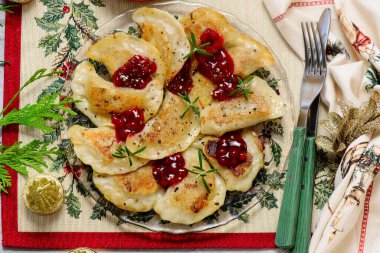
303 234
287 223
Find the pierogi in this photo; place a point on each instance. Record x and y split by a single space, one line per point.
165 32
95 146
171 164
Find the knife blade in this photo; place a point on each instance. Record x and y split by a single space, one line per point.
311 85
303 232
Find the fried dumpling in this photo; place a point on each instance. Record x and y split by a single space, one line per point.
99 98
136 191
166 133
202 88
95 147
221 117
189 202
241 177
247 53
166 33
116 49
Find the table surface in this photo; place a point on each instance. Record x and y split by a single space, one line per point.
9 250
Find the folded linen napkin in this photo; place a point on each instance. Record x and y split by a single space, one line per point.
348 221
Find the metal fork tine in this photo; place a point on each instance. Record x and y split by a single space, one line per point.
312 47
318 50
307 48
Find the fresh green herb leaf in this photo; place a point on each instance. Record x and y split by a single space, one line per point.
18 158
202 174
196 49
205 184
124 152
191 105
243 87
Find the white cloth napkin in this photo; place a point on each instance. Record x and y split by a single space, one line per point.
349 222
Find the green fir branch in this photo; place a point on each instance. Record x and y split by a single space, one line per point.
19 158
37 115
41 73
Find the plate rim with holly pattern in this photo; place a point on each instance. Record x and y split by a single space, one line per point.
277 137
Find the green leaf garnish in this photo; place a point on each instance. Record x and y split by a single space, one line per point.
191 105
32 154
124 152
37 75
18 158
37 115
196 49
242 87
202 174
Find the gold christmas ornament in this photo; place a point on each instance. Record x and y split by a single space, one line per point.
43 194
82 250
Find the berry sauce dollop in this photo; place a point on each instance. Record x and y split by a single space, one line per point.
136 73
128 123
231 150
170 170
214 38
182 81
219 67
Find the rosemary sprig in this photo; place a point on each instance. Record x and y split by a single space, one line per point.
202 174
191 105
124 152
242 87
196 49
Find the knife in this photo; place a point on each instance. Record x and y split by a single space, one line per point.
303 232
311 86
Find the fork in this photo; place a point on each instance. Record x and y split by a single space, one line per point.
312 82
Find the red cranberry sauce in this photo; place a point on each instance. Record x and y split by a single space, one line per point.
182 82
214 38
136 73
128 123
219 67
231 150
170 170
224 89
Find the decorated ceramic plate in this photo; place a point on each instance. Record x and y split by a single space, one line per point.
183 111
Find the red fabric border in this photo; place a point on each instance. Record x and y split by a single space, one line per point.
149 240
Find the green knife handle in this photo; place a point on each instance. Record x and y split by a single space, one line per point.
287 223
303 233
